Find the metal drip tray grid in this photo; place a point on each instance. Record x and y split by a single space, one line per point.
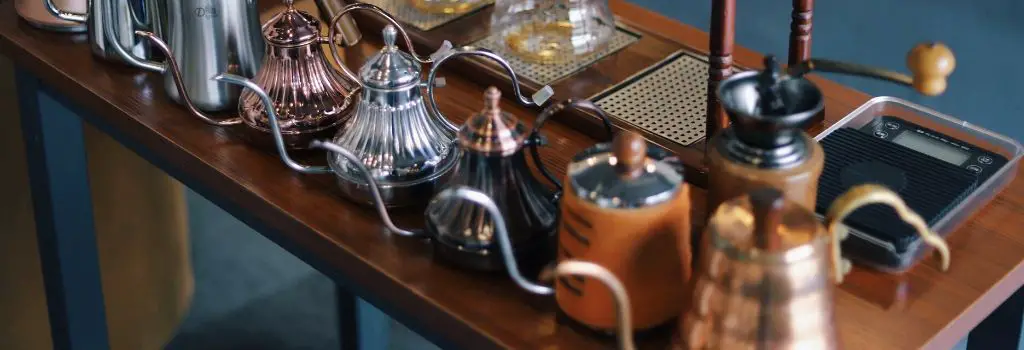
668 99
546 74
408 14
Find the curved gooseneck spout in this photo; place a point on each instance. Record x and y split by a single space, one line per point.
275 124
66 15
623 313
537 99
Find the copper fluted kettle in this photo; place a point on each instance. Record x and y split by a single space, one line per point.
767 274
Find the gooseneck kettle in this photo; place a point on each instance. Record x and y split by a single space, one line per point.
765 144
768 269
406 150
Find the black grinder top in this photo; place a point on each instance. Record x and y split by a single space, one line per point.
768 111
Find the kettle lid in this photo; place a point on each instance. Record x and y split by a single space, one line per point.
390 68
291 27
624 174
492 131
763 225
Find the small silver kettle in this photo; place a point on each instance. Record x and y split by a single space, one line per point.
406 150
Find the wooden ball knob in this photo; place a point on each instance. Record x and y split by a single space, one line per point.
630 151
931 63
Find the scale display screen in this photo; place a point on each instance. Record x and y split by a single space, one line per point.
932 147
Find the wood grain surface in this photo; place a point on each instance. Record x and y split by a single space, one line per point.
306 215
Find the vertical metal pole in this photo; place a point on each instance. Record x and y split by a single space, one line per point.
61 200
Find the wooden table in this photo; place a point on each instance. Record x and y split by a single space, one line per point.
59 82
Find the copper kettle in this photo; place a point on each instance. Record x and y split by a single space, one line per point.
768 270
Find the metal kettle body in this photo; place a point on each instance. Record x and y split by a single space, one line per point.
118 14
464 233
209 37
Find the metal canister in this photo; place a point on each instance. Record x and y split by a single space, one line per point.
628 210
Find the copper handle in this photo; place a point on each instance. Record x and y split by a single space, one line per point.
623 312
550 111
537 99
863 195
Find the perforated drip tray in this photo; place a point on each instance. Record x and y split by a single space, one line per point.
408 14
549 73
668 99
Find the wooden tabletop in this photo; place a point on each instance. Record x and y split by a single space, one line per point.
306 215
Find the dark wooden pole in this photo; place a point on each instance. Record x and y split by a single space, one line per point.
800 31
723 24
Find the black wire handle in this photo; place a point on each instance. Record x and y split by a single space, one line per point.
543 117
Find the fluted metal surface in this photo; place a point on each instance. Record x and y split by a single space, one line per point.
308 94
406 151
465 233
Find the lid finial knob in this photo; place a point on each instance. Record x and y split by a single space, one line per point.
390 33
491 97
289 3
630 151
931 63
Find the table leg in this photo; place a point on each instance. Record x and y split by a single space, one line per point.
1001 329
62 203
348 318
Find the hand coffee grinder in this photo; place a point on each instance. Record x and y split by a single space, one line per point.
766 146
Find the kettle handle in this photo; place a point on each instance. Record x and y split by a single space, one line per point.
360 6
275 124
114 40
378 201
537 99
66 15
535 137
504 242
623 312
863 195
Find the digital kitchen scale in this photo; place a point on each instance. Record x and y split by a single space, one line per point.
943 168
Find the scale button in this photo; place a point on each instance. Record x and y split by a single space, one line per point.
892 125
985 160
974 168
881 134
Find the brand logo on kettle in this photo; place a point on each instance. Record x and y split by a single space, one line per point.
206 12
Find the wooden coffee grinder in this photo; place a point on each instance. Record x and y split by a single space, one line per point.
766 146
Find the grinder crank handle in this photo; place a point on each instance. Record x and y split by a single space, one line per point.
275 124
931 64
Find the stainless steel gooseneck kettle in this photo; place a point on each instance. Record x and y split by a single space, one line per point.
406 150
200 39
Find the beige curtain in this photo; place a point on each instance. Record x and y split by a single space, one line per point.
142 237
